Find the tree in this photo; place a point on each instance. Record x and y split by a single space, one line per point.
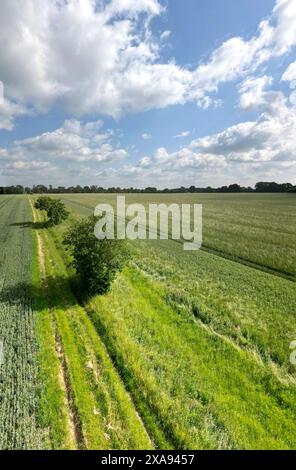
96 261
266 187
42 203
39 189
56 212
234 188
54 208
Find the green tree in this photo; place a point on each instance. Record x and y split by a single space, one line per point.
54 208
42 203
96 261
56 212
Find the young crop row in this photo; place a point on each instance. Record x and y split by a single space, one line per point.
19 385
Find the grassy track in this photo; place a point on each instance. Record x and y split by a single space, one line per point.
202 345
19 385
96 408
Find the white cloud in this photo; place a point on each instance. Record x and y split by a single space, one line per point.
145 162
146 136
271 137
255 97
1 93
8 112
32 168
252 91
74 141
290 75
96 57
182 135
133 7
245 152
283 36
63 150
293 98
165 35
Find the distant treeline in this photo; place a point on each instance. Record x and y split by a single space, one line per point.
262 187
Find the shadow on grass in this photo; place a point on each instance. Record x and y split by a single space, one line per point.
58 292
29 224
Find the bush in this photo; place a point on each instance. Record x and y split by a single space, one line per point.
56 212
42 203
55 209
95 261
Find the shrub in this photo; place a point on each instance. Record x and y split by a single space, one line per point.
55 209
56 212
95 261
42 203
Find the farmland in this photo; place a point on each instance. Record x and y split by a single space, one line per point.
18 372
188 350
256 229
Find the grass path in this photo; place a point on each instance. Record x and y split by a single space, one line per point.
96 402
56 413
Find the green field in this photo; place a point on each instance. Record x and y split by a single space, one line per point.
255 229
189 350
19 372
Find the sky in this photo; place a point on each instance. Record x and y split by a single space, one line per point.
141 93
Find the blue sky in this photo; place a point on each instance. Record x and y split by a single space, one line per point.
148 92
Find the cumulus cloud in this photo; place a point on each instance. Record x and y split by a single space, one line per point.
271 137
290 75
101 57
74 141
8 112
243 152
252 91
29 169
254 96
146 136
267 139
73 145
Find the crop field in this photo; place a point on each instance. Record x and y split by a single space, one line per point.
255 229
18 370
188 350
